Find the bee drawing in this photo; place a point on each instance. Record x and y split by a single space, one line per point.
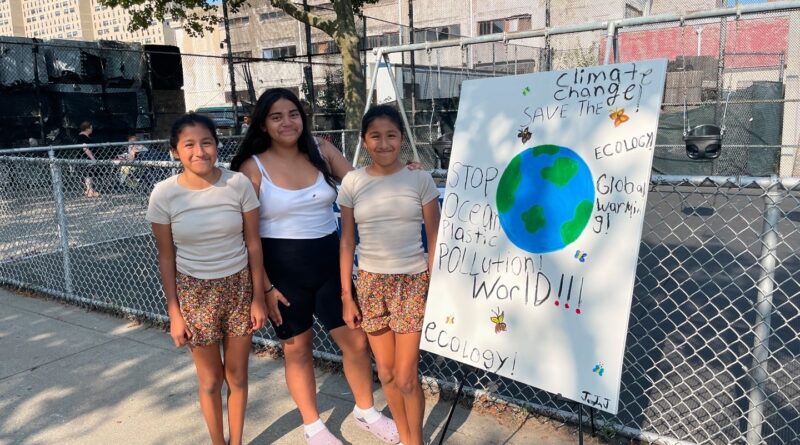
618 116
450 319
524 135
497 319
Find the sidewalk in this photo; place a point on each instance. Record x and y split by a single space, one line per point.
68 376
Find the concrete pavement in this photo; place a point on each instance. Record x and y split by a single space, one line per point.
68 376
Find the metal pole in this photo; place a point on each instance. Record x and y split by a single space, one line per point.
365 43
413 64
721 63
236 126
762 330
63 233
372 82
411 139
310 72
37 88
548 61
344 142
611 30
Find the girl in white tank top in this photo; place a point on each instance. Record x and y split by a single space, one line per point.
294 177
306 213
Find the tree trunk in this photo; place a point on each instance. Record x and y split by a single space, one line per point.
355 86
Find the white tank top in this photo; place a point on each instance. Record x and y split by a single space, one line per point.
295 214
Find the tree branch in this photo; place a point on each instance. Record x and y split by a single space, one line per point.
326 25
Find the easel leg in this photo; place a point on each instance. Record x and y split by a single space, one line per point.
452 409
591 415
580 424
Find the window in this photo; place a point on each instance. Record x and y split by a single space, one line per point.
437 33
279 52
509 24
239 21
490 27
237 56
328 47
271 15
388 39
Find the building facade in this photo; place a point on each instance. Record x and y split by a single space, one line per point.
75 20
112 24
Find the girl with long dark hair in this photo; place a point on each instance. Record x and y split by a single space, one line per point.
295 177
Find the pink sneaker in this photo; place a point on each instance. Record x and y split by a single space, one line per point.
383 428
324 437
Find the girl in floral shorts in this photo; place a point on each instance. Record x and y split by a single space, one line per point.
388 202
205 223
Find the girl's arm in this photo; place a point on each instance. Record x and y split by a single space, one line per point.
347 249
166 266
430 216
258 308
272 294
338 164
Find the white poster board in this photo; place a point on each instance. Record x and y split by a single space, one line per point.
541 223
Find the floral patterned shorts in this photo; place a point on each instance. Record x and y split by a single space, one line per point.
217 308
393 300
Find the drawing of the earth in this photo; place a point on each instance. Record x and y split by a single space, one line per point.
545 198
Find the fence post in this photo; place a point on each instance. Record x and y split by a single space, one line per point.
344 145
63 233
762 329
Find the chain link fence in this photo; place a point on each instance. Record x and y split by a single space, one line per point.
713 351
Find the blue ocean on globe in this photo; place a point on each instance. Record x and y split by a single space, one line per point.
545 198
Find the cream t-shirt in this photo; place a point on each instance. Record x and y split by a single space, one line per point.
388 212
207 225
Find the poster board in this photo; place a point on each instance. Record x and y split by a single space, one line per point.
541 223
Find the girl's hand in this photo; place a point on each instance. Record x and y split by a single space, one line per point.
258 314
351 313
411 165
273 297
179 331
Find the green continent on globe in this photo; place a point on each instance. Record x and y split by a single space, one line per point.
534 218
546 150
507 188
571 230
562 171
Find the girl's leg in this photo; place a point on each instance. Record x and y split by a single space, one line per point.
356 362
237 354
406 377
299 367
208 363
382 344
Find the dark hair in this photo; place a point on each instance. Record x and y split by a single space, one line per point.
256 140
381 111
85 125
190 120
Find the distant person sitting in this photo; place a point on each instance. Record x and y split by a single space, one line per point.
131 154
91 171
245 125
